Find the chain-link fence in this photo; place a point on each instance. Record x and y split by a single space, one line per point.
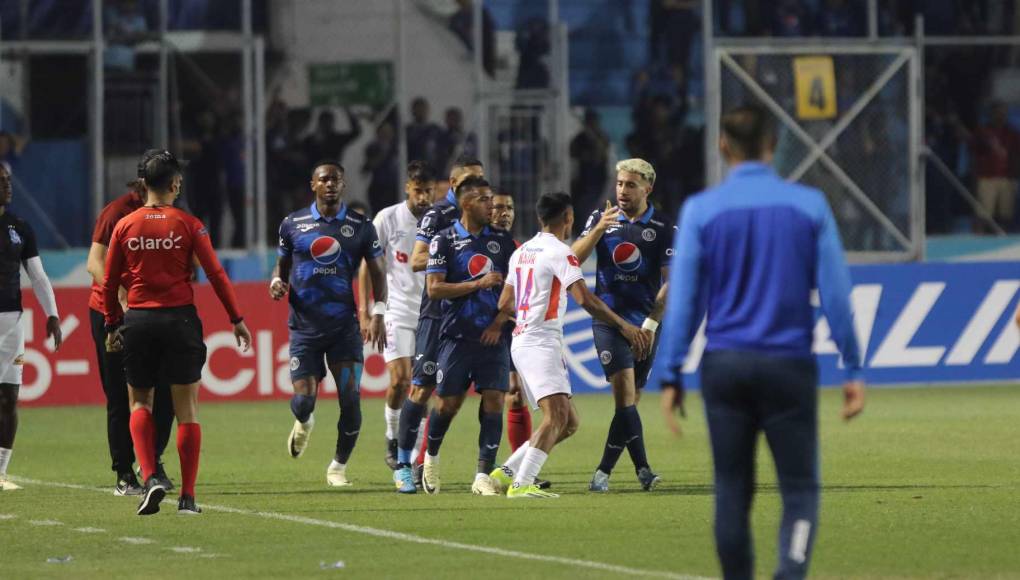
848 124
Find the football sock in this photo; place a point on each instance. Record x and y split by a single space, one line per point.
518 426
189 447
438 425
615 443
143 434
419 443
488 440
410 428
5 459
513 463
423 443
392 421
530 467
349 425
635 437
302 406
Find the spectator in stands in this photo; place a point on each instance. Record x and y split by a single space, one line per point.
454 142
589 152
791 18
462 24
381 159
423 136
996 147
841 18
672 25
941 138
205 182
533 46
231 143
325 142
125 26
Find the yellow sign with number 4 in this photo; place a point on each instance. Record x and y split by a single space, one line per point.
814 79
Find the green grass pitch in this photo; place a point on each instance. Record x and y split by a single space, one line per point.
926 484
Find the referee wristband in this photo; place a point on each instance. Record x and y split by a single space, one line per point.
650 324
379 309
237 320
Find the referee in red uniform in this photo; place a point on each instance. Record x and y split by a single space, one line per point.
161 334
111 364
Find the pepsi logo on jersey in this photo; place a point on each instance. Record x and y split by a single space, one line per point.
479 265
325 250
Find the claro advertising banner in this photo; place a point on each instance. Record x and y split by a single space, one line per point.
916 323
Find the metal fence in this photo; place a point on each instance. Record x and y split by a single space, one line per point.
849 124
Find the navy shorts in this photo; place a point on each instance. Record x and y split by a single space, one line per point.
615 354
462 362
426 350
309 355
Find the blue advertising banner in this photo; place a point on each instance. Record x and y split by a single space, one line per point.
916 323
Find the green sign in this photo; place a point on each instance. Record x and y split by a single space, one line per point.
351 83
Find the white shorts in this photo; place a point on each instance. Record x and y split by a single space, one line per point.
542 370
12 347
399 342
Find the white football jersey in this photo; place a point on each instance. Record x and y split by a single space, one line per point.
396 226
540 272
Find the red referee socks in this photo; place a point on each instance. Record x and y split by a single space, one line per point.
518 427
143 435
189 445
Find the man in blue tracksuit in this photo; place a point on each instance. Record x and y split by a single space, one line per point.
751 251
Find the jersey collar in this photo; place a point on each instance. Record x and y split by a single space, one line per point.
452 198
643 219
748 168
462 231
340 215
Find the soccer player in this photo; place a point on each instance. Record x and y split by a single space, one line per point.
633 243
757 246
542 271
320 250
466 268
153 249
111 364
17 249
395 226
426 340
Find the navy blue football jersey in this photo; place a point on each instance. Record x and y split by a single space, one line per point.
440 216
463 257
630 258
326 254
17 245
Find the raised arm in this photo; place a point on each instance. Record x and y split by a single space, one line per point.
593 231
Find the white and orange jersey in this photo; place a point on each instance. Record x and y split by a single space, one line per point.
540 272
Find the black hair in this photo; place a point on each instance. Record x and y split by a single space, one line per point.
552 207
159 170
749 130
470 182
420 172
465 161
328 162
503 193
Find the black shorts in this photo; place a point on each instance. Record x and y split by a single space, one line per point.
616 355
426 352
163 346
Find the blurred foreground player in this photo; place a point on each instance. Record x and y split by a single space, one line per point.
757 246
161 334
321 247
17 249
111 364
633 244
395 226
542 271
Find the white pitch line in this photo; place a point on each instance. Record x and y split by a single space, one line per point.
45 523
185 550
7 516
90 530
136 541
401 536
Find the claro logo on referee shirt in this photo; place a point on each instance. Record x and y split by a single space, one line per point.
170 242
